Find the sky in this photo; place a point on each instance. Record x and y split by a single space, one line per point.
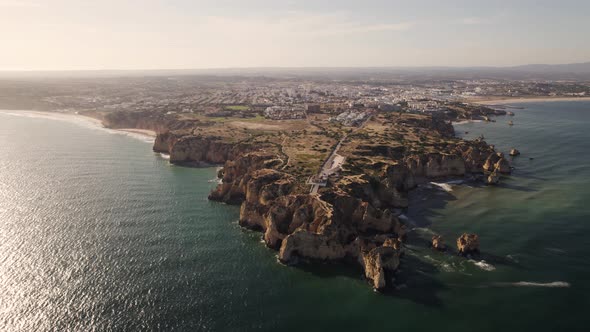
193 34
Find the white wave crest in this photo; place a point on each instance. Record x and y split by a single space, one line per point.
443 186
423 230
483 265
465 122
447 267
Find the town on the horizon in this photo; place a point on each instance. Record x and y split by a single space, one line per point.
278 94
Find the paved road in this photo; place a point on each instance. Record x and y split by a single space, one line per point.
333 163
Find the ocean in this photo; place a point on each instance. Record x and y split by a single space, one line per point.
98 233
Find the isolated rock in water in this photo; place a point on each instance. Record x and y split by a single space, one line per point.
378 263
503 166
394 243
514 152
438 243
468 244
493 178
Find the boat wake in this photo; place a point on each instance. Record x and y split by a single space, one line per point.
554 284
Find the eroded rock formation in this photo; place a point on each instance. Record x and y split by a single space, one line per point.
353 219
468 244
379 263
493 178
438 243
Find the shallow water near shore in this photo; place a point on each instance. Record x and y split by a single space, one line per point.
97 232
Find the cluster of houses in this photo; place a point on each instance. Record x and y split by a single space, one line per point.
285 112
351 117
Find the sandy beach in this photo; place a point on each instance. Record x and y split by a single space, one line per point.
80 119
144 132
503 101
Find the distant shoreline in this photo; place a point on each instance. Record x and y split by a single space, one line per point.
517 100
68 116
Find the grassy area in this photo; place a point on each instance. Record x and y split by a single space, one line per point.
237 107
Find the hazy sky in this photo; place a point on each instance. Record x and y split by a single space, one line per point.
172 34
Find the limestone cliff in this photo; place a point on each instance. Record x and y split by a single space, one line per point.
352 218
351 221
186 148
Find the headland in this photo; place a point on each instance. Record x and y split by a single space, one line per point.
319 189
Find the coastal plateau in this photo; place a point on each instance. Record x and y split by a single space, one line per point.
270 168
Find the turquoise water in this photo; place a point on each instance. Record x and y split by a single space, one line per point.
99 233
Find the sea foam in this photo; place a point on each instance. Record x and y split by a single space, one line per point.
447 186
483 265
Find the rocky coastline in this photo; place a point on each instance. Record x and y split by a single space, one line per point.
354 218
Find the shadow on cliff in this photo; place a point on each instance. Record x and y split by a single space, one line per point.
416 282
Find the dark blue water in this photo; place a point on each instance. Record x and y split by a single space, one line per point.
99 233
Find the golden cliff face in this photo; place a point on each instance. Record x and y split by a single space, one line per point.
353 217
304 226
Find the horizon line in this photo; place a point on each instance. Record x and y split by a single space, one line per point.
286 68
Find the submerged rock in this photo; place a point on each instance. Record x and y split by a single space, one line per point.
468 244
514 152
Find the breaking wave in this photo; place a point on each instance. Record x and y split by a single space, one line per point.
444 186
483 265
447 186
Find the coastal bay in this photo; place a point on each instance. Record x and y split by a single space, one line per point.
159 228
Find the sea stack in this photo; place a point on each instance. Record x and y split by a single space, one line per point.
438 243
468 244
514 152
379 263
